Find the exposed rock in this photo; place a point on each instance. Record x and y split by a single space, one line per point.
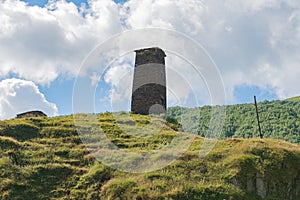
260 185
250 185
267 186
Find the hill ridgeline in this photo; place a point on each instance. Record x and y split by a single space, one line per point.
44 158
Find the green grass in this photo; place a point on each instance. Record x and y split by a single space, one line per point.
293 99
43 158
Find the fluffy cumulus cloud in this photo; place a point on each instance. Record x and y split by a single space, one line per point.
253 42
40 44
119 76
19 96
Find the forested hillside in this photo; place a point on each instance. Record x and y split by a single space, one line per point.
279 120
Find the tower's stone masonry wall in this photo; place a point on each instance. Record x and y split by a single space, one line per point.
149 82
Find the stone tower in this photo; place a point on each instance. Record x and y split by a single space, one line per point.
149 82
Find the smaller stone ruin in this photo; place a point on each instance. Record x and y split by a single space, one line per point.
31 114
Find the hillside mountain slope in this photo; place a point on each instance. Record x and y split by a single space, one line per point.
44 158
279 120
294 99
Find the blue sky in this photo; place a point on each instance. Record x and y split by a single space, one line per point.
77 2
255 45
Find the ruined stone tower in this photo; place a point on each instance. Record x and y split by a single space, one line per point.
149 82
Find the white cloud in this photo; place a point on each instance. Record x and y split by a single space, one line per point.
181 15
119 76
253 42
19 96
241 37
40 44
185 83
95 78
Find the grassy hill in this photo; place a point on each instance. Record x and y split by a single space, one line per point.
44 158
294 99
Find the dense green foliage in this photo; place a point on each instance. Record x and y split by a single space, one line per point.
44 158
279 120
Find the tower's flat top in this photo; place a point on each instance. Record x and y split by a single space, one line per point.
155 50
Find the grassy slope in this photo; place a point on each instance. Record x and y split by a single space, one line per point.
43 158
293 99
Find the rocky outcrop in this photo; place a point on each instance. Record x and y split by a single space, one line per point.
277 180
